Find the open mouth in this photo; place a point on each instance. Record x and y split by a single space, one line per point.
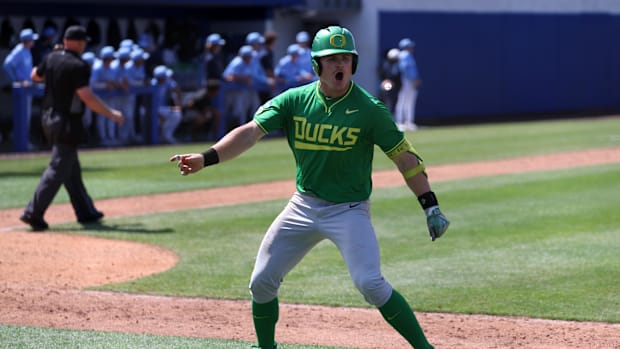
339 76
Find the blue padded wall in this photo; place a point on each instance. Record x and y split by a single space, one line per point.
501 64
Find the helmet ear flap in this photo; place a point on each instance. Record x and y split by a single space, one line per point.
354 67
316 66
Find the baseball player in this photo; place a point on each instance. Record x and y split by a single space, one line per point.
410 83
168 88
305 53
289 72
245 76
332 126
136 77
106 77
18 65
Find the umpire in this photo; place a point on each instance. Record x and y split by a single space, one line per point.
66 78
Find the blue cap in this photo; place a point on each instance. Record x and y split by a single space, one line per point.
162 71
107 52
406 43
146 41
293 49
28 35
215 39
89 57
246 51
126 43
139 54
254 38
302 37
124 53
49 31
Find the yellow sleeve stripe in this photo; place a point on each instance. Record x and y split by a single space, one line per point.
414 170
403 146
261 126
400 148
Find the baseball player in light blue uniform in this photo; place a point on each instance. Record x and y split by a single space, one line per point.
332 127
18 66
87 117
305 60
244 74
289 73
410 82
106 77
136 76
168 89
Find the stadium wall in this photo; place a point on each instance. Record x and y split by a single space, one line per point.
496 60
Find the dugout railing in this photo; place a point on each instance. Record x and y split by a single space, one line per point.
21 93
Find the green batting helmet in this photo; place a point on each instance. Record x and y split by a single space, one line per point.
330 41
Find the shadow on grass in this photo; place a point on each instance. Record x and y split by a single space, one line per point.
14 174
102 227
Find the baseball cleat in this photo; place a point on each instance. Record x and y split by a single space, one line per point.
91 219
36 223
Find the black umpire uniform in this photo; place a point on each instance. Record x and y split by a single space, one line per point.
64 72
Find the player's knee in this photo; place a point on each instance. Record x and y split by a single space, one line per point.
263 288
376 291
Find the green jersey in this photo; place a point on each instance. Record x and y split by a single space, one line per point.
333 139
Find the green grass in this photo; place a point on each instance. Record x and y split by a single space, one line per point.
533 245
17 337
117 173
541 244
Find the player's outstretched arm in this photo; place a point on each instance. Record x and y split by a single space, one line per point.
230 146
413 172
188 163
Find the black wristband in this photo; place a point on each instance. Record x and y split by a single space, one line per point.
210 157
428 199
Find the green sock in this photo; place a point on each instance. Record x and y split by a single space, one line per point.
265 317
398 313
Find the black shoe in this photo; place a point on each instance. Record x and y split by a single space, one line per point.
37 224
91 219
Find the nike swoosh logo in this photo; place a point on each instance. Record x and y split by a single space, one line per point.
261 317
351 111
354 205
390 318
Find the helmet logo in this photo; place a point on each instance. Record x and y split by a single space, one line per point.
338 40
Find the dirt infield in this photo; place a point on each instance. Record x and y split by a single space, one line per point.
42 277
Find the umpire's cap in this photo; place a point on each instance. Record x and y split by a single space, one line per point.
76 32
